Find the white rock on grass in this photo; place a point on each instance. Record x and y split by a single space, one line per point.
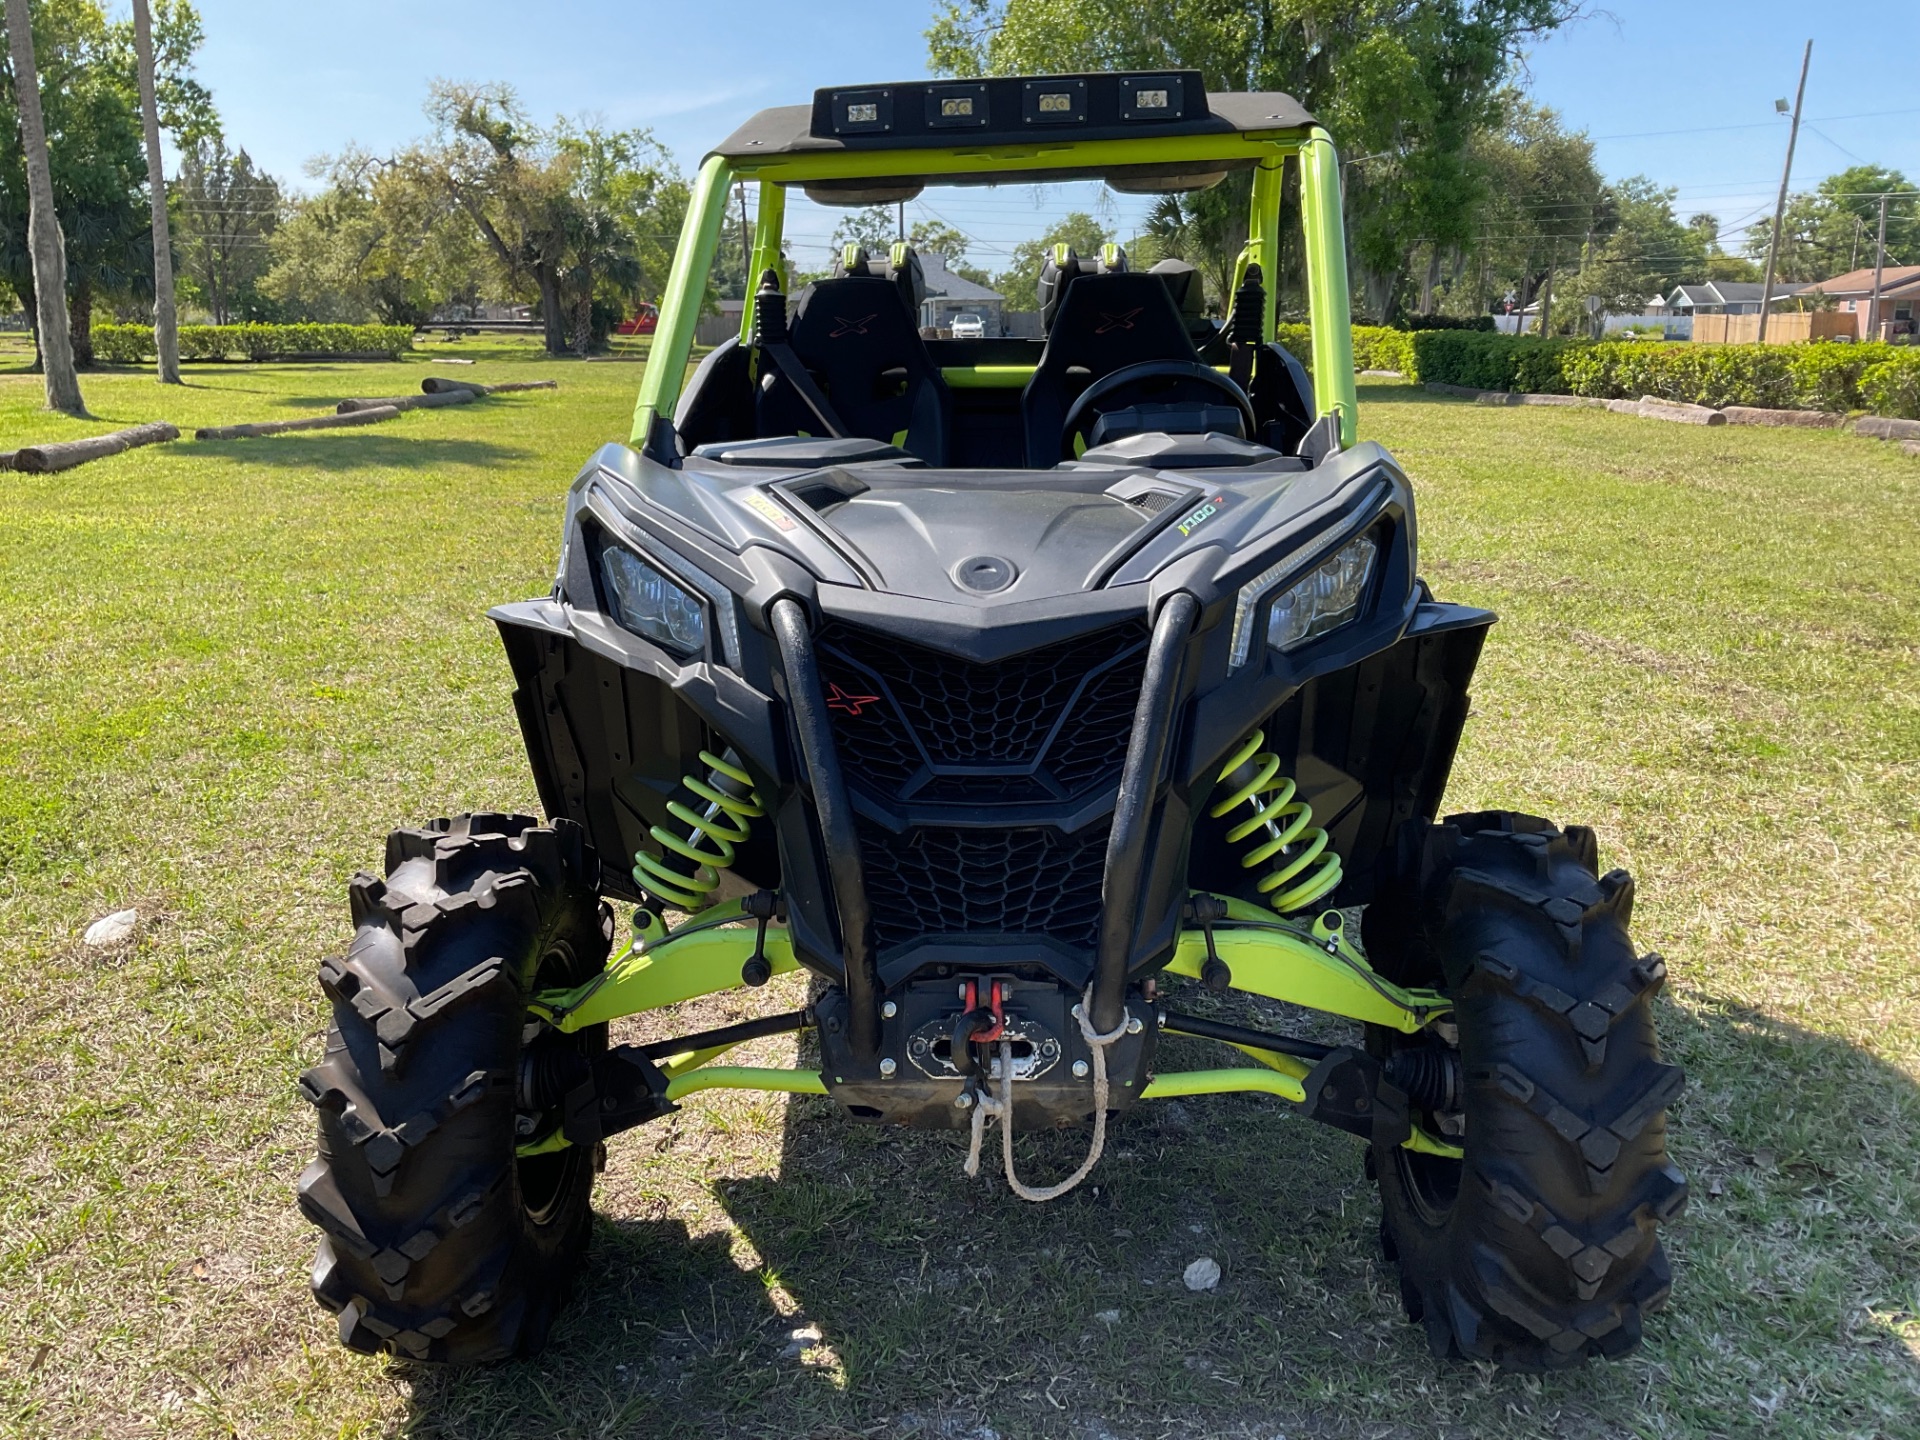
801 1340
1202 1274
112 929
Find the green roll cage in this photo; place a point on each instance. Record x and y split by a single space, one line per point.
1326 254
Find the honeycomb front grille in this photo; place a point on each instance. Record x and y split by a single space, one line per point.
1049 725
1024 881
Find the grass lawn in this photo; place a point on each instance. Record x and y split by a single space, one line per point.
231 668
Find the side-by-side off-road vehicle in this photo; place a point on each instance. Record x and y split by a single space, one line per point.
1011 688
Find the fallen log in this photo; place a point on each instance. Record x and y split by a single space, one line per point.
409 402
1756 415
1498 397
1585 402
310 422
1465 392
65 454
1882 428
1624 407
437 385
1652 407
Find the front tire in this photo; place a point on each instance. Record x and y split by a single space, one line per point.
1539 1248
439 1242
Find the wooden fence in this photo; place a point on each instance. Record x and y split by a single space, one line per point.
1782 329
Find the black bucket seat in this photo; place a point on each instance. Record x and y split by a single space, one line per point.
858 335
1101 322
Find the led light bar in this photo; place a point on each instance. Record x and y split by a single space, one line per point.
930 111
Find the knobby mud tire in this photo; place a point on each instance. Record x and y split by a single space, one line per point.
1540 1248
438 1243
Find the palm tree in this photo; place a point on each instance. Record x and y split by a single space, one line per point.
166 337
600 252
43 225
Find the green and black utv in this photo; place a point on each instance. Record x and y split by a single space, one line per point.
1011 686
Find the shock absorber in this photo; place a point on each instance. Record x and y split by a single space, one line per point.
687 871
1303 869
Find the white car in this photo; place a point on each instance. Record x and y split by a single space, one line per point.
968 326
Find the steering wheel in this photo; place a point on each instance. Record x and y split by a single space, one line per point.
1161 382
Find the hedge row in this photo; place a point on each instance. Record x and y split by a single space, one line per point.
1375 347
1474 358
132 344
1822 376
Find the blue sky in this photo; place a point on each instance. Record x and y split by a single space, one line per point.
1680 90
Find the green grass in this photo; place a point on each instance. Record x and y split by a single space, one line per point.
230 668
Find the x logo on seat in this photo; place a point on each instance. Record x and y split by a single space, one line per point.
851 327
1122 321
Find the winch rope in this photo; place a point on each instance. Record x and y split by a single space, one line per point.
1000 1107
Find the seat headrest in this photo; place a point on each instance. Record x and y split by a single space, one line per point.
852 260
901 269
1060 269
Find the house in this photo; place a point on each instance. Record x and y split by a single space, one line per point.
948 295
1893 317
1725 297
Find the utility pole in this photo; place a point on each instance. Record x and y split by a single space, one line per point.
1546 290
1879 265
1780 207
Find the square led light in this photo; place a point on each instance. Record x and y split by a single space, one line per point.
1153 97
1055 102
956 107
862 112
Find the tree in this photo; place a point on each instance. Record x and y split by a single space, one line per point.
48 245
89 98
383 239
1207 229
166 338
1406 85
229 211
1833 228
1543 196
1020 281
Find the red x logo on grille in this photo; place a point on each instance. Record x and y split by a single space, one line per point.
1117 322
844 326
838 699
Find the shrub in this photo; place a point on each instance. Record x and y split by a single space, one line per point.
132 344
1375 347
1892 386
1483 361
1380 347
1820 376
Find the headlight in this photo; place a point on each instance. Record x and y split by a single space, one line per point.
1325 597
649 604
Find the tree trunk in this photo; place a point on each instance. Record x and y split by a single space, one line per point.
80 322
166 333
43 225
553 324
583 315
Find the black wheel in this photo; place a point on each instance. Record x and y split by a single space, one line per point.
1539 1248
440 1244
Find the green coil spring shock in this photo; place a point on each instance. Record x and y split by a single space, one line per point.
1305 869
707 846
